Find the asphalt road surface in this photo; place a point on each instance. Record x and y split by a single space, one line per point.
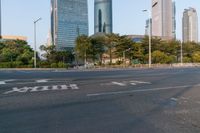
112 101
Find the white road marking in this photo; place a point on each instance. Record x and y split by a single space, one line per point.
42 81
174 99
141 90
118 83
125 83
74 86
140 82
2 82
133 83
43 88
15 89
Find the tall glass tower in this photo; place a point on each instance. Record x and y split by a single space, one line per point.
103 16
69 19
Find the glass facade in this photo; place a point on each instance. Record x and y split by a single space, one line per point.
103 16
69 19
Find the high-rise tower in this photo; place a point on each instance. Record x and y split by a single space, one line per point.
69 19
174 19
103 16
190 25
162 18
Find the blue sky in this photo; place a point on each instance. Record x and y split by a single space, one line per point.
18 17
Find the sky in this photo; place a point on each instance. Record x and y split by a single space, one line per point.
128 18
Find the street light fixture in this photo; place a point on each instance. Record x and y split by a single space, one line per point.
149 36
35 58
149 12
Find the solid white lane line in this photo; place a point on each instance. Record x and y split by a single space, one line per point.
117 83
141 90
140 82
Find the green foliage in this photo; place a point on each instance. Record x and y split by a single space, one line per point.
159 57
196 57
52 56
15 53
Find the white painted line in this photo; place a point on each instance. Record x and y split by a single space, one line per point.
42 81
43 88
141 90
174 99
74 86
2 82
140 82
15 89
133 83
117 83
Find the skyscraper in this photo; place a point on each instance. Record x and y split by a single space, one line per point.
190 25
103 16
174 19
162 18
69 19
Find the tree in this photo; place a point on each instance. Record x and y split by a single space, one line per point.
97 48
52 56
159 57
138 52
82 47
196 57
110 43
17 53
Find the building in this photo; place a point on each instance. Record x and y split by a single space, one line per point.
139 38
69 19
190 25
6 37
162 18
103 16
174 19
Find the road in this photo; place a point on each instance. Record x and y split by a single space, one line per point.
101 101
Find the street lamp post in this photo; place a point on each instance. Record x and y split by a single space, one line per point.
35 53
124 56
149 12
181 53
149 36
